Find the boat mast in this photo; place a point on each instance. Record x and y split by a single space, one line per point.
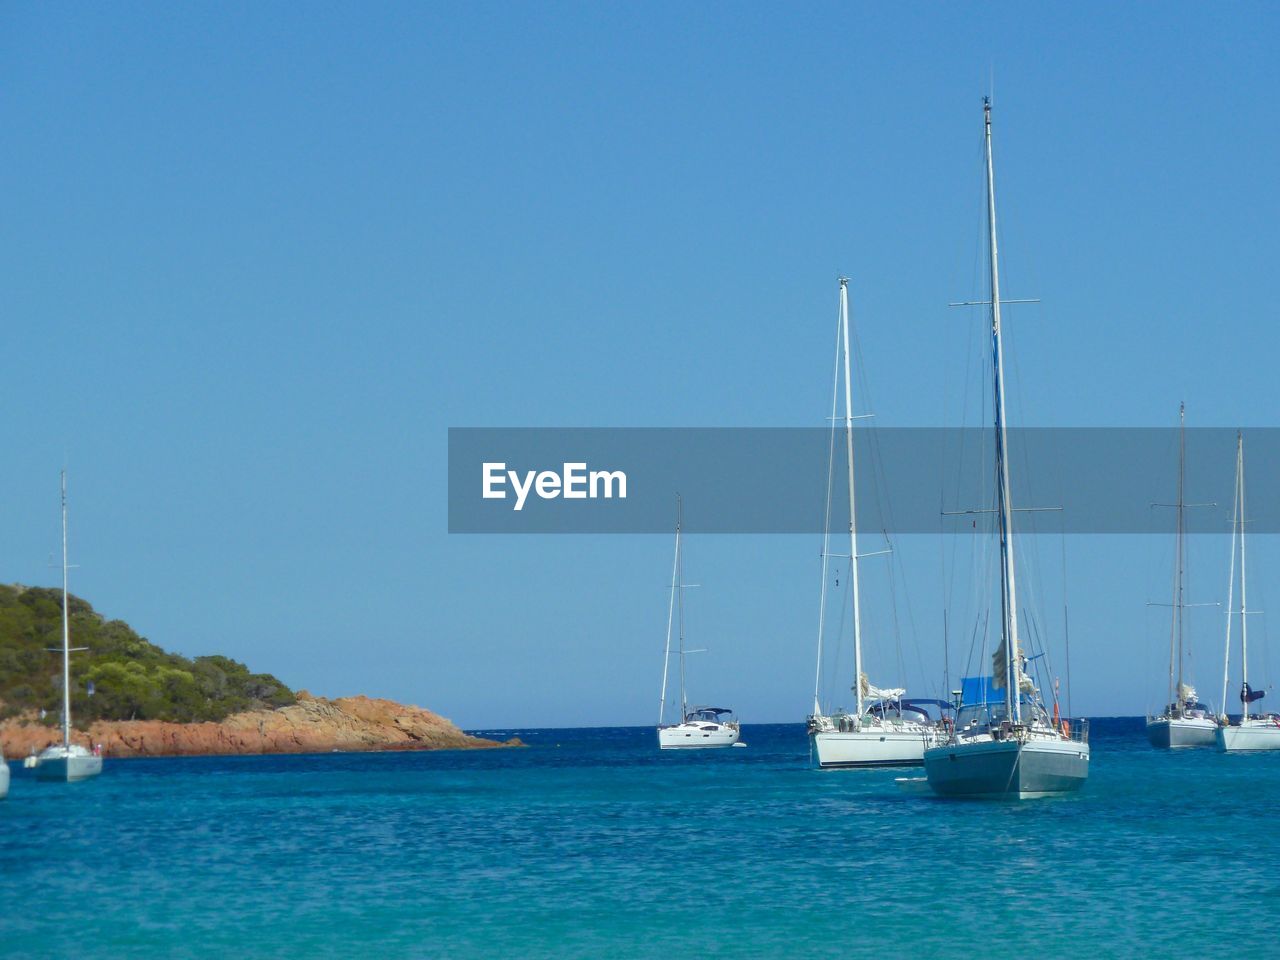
1175 635
1244 608
1231 582
66 628
826 529
853 514
1008 593
684 701
671 607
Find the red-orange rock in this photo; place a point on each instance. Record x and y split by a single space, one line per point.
312 725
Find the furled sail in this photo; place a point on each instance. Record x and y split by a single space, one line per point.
872 692
999 671
1249 695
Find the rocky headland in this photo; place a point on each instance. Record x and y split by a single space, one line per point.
310 725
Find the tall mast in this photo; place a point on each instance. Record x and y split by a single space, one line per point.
1175 635
676 588
671 607
853 513
826 527
684 702
1244 607
1231 580
1008 592
66 628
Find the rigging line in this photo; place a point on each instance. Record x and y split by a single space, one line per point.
684 701
911 621
1034 626
878 481
1066 626
1231 583
884 505
671 603
826 523
973 639
897 632
977 260
845 596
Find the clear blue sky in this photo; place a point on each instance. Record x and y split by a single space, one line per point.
258 257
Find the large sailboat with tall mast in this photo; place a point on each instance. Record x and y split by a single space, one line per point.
699 727
1005 744
884 730
1258 731
1185 721
66 760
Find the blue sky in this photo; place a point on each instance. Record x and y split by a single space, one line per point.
259 257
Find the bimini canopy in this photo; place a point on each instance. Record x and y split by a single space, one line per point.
917 706
975 691
925 702
713 711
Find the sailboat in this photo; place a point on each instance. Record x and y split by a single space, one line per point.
4 776
700 727
1185 722
1252 732
66 760
885 730
1005 744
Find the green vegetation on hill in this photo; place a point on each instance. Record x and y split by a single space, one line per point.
133 678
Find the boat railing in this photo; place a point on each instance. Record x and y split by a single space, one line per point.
1076 730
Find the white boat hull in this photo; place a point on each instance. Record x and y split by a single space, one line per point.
874 747
4 779
1007 768
700 735
1252 735
77 765
1174 733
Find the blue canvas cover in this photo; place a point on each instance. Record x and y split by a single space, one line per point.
975 691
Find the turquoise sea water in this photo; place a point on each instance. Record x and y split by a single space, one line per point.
592 844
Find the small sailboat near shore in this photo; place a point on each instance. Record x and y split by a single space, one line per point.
1005 744
1259 731
1185 721
67 761
700 727
885 730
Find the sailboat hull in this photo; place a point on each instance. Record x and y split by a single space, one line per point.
1007 768
1253 735
871 748
1167 733
68 769
4 779
697 736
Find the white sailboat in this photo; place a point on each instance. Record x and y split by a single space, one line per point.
66 760
1012 747
4 776
1185 722
1257 732
884 730
700 727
